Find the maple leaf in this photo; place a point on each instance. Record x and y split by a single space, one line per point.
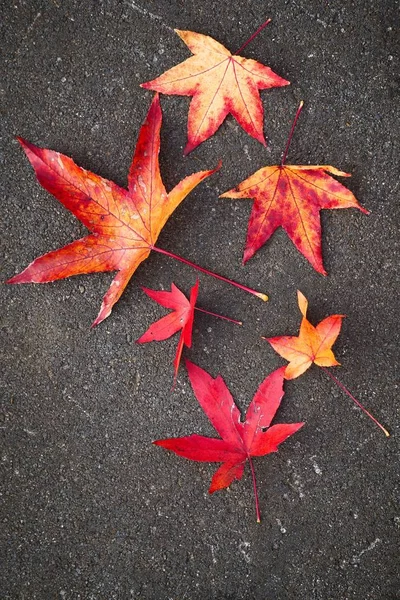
314 345
292 196
124 224
220 83
180 319
240 440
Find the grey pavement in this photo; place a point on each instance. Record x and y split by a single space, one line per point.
91 509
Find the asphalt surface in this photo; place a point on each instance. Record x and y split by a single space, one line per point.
91 509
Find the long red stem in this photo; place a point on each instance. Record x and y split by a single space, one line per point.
346 391
188 262
253 36
291 132
207 312
253 474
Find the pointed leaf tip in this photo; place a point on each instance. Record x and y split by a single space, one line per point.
302 302
188 363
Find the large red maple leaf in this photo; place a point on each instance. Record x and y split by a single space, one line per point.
240 440
220 83
292 196
124 224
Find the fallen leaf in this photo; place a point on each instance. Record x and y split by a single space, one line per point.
125 224
220 83
180 319
312 345
240 440
292 196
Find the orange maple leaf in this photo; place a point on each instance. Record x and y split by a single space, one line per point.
312 345
291 196
124 224
220 83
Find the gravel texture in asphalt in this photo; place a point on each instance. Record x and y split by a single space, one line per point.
91 509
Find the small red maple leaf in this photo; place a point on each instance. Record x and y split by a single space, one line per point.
240 440
180 319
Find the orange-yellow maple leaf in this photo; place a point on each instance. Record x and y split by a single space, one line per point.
220 83
312 345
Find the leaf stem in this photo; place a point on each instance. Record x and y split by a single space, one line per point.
207 312
253 474
346 391
253 36
202 270
291 132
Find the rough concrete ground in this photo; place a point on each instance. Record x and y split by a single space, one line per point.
91 509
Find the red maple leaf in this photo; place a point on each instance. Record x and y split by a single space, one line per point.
180 319
240 440
220 83
124 224
292 196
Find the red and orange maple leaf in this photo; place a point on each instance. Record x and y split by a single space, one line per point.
124 224
292 196
240 440
220 83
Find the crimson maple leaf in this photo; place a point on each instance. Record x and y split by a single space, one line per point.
220 83
180 319
124 224
240 440
292 196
